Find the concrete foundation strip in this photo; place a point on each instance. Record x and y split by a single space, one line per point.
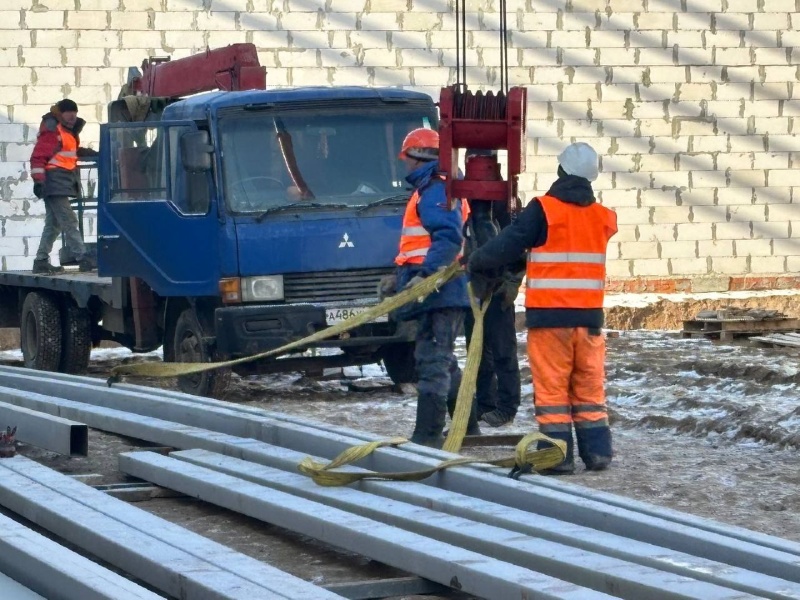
508 519
709 540
168 557
600 570
51 384
56 572
443 563
12 590
181 436
44 431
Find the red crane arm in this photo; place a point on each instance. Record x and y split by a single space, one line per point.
232 68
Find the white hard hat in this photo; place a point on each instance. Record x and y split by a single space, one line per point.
579 159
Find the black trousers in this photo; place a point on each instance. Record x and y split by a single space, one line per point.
498 376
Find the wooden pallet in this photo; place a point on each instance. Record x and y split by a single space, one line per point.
786 340
728 329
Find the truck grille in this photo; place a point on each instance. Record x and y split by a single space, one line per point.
333 286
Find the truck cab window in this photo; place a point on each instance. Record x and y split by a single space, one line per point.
326 156
138 164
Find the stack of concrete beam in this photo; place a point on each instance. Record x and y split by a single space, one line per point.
470 527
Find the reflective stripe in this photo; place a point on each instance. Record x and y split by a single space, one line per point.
565 284
418 252
414 231
561 409
554 428
37 170
567 257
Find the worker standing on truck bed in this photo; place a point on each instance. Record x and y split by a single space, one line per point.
54 168
431 239
566 233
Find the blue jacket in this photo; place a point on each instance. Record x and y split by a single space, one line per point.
445 228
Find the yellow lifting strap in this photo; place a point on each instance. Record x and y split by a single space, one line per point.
523 461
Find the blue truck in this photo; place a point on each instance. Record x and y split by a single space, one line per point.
231 224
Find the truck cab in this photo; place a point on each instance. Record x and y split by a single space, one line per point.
241 221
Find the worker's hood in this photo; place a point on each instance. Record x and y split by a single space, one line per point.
53 118
317 240
572 189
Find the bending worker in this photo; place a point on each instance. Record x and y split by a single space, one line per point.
566 233
54 168
431 239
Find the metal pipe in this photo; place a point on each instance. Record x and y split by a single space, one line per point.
443 563
164 555
43 431
56 572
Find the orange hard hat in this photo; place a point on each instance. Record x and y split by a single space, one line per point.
422 144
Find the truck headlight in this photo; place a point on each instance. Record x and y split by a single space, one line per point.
265 288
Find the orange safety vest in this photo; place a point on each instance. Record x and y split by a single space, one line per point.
569 270
415 241
67 157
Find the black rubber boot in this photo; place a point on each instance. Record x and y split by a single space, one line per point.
431 411
43 267
594 446
87 263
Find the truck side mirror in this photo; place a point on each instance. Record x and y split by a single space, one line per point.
196 151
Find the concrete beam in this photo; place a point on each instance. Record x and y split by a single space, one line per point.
594 570
443 563
168 557
503 491
44 431
13 590
558 495
57 572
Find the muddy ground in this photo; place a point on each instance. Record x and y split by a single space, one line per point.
709 428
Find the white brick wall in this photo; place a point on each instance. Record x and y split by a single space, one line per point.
694 106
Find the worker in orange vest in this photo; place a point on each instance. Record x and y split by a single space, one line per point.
54 169
566 233
431 239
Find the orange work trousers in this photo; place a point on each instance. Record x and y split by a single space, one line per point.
568 369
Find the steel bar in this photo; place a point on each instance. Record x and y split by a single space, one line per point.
44 431
443 563
594 570
52 384
162 554
470 481
58 573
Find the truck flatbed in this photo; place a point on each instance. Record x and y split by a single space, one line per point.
80 285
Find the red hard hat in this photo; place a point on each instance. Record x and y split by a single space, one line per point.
422 144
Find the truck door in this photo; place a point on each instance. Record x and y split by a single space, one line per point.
156 221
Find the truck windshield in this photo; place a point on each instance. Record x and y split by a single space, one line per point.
326 157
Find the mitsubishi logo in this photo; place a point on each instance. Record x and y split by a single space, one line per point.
346 243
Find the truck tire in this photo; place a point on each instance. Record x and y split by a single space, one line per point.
40 332
190 346
398 360
76 338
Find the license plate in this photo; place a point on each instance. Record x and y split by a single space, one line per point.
337 315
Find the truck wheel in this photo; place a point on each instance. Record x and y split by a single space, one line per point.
398 359
40 332
190 346
76 338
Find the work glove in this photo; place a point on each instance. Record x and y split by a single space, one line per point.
508 292
38 189
483 287
387 286
415 280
